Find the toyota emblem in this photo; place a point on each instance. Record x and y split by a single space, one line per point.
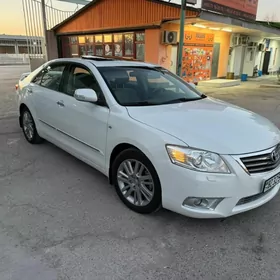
275 155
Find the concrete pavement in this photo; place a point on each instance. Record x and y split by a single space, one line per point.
61 220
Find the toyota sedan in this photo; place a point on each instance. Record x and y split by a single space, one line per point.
159 141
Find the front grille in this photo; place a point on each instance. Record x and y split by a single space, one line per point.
263 162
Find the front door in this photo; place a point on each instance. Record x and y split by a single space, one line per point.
84 124
215 61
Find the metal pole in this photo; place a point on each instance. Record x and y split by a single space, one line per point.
181 39
44 20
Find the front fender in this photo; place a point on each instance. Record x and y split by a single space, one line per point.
148 140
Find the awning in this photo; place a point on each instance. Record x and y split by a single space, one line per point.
218 22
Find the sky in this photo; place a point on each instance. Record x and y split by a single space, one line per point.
12 19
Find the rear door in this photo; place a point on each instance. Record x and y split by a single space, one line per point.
84 125
46 90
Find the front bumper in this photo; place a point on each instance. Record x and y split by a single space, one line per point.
240 191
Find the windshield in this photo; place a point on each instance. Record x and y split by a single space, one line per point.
138 86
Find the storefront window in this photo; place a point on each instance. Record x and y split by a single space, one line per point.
98 39
82 50
116 45
140 51
108 38
82 40
99 50
89 39
108 50
140 37
118 50
128 44
90 50
73 40
118 38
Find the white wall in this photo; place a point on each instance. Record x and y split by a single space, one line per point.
236 57
250 57
274 47
275 55
249 60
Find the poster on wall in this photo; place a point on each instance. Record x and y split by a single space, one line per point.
245 9
197 56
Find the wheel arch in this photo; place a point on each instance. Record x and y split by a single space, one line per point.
21 108
122 147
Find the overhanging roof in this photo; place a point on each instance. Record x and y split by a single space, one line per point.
18 37
217 21
94 2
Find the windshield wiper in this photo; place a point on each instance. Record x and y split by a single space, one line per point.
181 100
140 103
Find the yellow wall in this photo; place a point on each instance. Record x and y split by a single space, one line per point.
220 37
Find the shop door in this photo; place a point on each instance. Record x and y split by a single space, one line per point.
266 63
215 60
174 58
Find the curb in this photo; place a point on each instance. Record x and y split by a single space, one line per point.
269 86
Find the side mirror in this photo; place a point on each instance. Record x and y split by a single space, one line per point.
192 85
85 95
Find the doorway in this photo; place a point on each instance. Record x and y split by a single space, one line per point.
174 58
215 60
266 63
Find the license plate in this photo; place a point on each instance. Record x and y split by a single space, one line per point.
271 183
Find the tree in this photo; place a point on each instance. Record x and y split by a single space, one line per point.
271 18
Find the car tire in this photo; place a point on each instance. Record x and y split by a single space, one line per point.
29 127
139 190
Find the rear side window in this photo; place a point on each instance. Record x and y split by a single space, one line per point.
38 78
52 76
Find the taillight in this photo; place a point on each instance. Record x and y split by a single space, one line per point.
16 86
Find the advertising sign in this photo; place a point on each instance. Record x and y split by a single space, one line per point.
197 56
245 9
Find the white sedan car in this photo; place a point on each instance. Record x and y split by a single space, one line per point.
159 140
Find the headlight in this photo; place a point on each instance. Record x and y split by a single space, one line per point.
197 159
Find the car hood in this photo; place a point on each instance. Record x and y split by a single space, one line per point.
211 125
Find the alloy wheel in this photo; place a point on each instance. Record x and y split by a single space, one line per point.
135 182
28 125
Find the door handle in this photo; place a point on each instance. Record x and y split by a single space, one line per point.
60 103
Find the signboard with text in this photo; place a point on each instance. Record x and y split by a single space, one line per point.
245 9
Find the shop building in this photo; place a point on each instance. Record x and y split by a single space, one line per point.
148 30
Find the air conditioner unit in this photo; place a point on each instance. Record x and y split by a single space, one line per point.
169 37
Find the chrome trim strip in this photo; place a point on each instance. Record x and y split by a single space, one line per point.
95 149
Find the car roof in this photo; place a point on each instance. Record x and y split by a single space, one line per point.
106 62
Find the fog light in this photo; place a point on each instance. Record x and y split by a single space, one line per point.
202 202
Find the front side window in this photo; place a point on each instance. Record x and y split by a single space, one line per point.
79 78
139 86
